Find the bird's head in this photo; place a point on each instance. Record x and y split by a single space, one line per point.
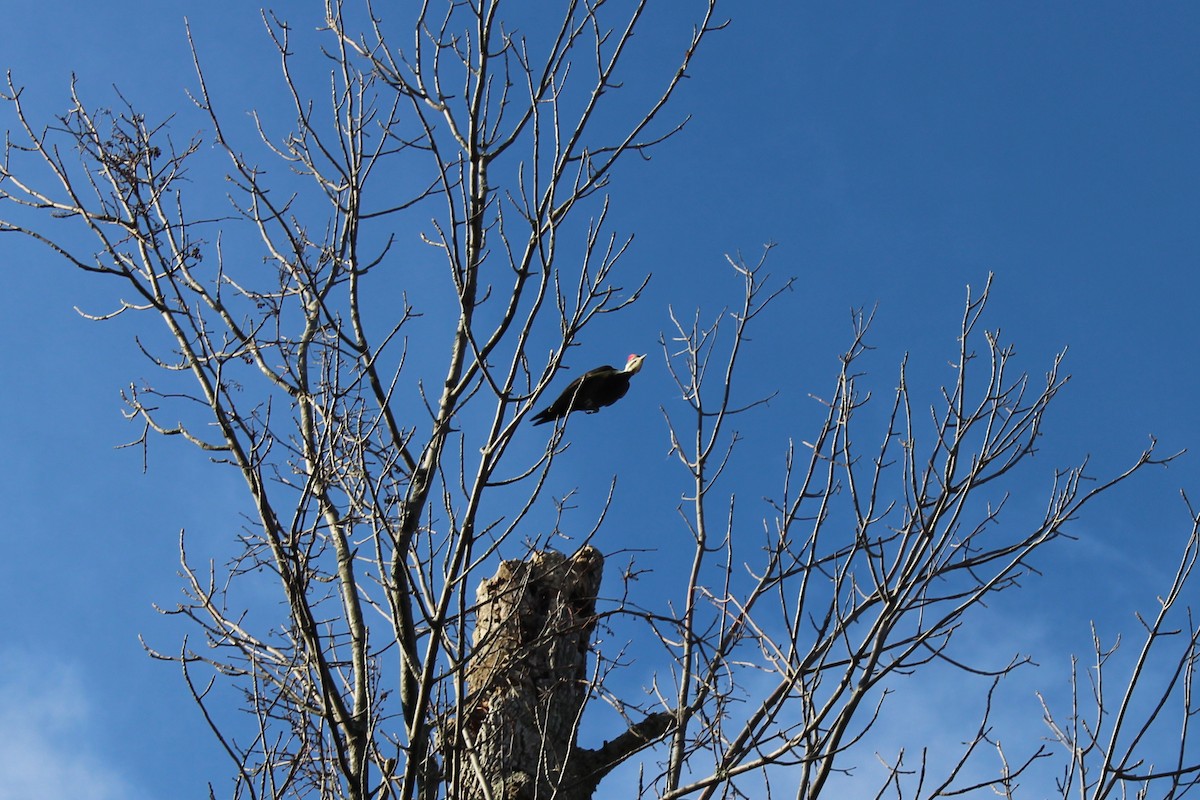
634 363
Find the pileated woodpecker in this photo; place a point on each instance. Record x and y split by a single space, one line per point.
592 391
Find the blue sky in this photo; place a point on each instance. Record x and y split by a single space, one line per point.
895 153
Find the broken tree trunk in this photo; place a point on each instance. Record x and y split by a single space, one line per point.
527 684
527 679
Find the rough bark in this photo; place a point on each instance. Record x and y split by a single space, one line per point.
527 681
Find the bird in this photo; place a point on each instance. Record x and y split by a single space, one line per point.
592 390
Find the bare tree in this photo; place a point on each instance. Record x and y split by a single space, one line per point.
1109 734
370 475
874 558
412 661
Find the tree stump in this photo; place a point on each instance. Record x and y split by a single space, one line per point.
527 677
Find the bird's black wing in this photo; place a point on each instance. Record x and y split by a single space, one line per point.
608 390
575 396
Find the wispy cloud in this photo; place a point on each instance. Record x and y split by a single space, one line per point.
47 734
